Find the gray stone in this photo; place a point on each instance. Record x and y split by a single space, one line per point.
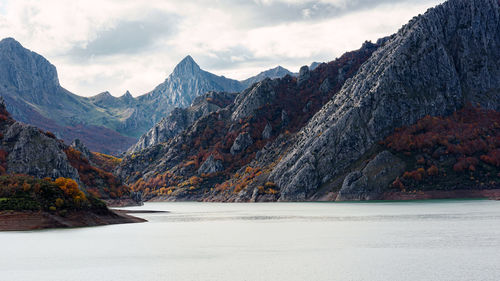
373 180
33 153
267 132
241 143
211 165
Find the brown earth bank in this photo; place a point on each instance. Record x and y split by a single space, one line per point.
493 194
34 220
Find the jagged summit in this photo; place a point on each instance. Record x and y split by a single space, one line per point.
186 66
127 96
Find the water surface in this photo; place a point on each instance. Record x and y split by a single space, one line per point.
425 240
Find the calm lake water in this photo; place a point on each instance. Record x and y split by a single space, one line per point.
426 240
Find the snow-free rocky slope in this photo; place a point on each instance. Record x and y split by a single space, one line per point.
432 66
30 86
262 148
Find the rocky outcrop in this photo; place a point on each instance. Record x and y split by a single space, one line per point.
304 74
432 66
78 145
267 132
181 118
371 182
33 153
253 98
211 165
242 142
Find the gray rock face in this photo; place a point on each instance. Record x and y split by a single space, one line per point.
181 118
432 66
79 146
211 165
253 98
242 142
373 180
33 153
267 132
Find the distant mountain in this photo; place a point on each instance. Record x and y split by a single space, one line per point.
186 82
30 86
277 72
31 89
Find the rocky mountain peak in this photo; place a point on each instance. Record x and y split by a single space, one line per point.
186 67
10 42
23 69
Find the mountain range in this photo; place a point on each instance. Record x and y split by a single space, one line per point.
33 94
333 133
414 115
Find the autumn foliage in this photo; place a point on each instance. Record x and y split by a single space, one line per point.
22 192
100 183
462 149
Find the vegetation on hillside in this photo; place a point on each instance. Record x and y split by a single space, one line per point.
25 193
100 183
461 151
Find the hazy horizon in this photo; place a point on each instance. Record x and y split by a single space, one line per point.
128 45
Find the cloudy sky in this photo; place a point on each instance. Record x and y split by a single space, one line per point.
120 45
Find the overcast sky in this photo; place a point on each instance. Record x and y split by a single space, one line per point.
108 45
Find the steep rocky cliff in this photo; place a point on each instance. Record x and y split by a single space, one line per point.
432 66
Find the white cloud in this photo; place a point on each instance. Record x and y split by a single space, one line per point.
117 45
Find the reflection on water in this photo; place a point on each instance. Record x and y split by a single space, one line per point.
426 240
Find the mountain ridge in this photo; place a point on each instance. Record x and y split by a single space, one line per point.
434 65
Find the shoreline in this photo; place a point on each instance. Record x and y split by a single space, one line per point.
38 220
